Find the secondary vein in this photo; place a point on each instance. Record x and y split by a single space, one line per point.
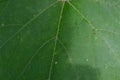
32 57
69 58
89 22
27 23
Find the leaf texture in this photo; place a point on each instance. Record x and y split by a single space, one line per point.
59 40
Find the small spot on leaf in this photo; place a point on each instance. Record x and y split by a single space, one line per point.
56 62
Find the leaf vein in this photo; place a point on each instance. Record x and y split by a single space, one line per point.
69 58
27 23
89 22
56 39
114 53
32 57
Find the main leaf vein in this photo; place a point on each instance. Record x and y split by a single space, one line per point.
56 39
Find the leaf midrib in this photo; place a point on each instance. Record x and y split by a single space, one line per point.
56 40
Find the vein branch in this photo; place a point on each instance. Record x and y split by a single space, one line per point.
110 31
69 58
32 57
26 24
89 22
110 47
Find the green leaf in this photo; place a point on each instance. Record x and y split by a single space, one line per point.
59 40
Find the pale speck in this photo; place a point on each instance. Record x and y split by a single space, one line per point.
3 24
87 60
106 67
96 0
56 62
107 24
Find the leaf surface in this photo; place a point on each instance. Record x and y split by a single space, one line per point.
59 40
